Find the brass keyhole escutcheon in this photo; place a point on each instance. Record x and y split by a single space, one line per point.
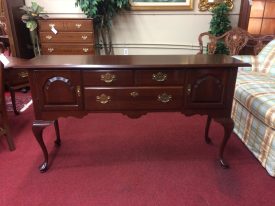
164 98
108 77
78 91
159 77
103 99
189 89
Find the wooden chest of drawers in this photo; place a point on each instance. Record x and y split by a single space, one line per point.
66 36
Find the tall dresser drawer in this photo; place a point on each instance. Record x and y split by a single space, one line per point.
133 98
107 78
78 37
159 77
65 25
77 49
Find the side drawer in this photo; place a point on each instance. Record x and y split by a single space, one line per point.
84 49
133 98
107 78
14 77
159 77
78 24
46 25
62 37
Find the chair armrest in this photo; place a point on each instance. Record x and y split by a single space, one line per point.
247 59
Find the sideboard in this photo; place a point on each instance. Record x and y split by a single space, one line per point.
76 85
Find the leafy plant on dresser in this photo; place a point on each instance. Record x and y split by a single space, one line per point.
220 24
102 12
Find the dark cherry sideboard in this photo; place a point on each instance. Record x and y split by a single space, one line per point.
76 85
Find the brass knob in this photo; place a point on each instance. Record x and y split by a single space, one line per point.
23 74
189 89
134 94
103 98
78 91
159 77
78 26
108 77
49 37
50 50
51 25
85 50
164 98
84 37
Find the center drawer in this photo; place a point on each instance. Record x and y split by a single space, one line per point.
133 98
77 37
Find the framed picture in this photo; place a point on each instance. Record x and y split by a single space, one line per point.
161 5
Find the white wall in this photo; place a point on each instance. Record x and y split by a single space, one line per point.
149 32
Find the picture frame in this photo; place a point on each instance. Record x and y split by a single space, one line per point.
209 5
161 5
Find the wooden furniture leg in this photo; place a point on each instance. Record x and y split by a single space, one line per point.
12 93
206 134
56 127
4 128
37 127
6 131
228 126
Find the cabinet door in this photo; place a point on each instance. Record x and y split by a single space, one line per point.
206 88
58 90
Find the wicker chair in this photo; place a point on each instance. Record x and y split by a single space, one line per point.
4 128
235 40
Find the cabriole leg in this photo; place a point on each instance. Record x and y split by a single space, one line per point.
228 126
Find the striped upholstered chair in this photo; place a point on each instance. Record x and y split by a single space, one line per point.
254 105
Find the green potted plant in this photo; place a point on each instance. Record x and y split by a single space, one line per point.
102 12
220 24
32 13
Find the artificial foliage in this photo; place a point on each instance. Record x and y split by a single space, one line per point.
220 24
102 12
32 13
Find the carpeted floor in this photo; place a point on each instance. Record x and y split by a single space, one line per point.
159 159
23 101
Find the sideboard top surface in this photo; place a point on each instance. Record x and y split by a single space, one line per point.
129 61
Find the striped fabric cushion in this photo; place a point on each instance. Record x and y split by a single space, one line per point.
266 59
256 92
264 62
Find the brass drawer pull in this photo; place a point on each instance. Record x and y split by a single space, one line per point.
49 37
103 99
108 77
189 90
78 26
51 25
85 50
23 74
134 94
50 50
164 98
159 77
78 91
84 37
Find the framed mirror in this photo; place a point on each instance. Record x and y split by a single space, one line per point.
209 5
